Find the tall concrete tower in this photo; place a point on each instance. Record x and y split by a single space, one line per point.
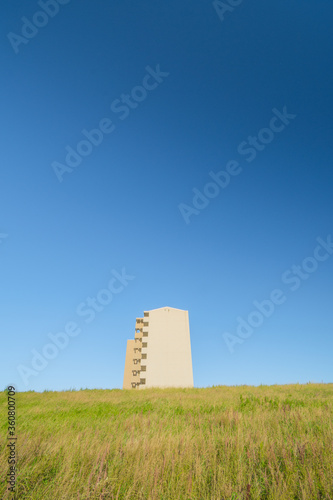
160 354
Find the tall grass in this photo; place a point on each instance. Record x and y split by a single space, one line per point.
217 443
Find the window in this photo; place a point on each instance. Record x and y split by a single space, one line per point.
144 344
144 356
142 381
143 368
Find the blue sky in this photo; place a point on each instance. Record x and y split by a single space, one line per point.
64 236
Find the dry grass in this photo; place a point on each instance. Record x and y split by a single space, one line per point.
216 443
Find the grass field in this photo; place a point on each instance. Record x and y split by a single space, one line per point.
217 443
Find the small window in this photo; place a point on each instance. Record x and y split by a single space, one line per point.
146 315
144 344
143 368
145 334
144 356
142 381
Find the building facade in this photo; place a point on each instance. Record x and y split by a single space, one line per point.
160 353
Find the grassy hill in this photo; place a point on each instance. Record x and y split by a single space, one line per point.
216 443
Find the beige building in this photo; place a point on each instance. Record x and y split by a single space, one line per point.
160 353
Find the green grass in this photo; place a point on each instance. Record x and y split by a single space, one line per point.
219 443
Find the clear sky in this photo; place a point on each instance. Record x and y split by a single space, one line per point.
93 233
